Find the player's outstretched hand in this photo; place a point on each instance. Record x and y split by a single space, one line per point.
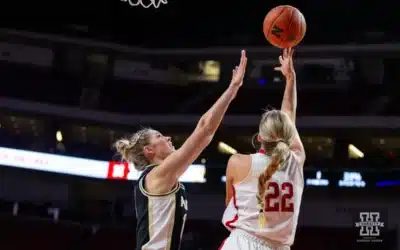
239 71
286 61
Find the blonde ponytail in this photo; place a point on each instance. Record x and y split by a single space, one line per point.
279 152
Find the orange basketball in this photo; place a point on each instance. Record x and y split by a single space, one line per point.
284 26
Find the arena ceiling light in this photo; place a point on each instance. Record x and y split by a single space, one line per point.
354 152
59 136
226 149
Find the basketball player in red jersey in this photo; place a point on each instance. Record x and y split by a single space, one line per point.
264 190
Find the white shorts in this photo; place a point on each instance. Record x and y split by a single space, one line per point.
241 240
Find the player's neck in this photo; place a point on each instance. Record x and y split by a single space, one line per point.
157 161
262 151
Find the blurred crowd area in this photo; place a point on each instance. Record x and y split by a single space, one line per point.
345 86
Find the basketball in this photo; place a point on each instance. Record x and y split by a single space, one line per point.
284 26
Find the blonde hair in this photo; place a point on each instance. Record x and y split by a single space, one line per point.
131 149
276 131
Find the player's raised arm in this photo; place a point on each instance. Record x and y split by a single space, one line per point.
177 163
289 102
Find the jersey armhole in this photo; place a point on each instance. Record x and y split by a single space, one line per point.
145 193
299 163
249 174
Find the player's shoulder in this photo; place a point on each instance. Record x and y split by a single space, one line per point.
238 159
238 167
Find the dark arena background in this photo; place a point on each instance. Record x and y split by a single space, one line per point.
76 76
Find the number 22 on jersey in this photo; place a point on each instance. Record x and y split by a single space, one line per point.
279 197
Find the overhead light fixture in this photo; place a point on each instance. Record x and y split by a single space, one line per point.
354 152
59 136
226 149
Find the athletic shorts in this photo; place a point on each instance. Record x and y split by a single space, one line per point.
241 240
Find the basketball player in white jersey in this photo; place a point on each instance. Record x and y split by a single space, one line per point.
264 190
160 200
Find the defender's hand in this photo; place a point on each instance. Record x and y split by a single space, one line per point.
239 71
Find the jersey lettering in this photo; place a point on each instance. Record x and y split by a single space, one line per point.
184 203
166 212
281 202
279 197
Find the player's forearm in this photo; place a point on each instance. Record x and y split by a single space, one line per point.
289 102
213 117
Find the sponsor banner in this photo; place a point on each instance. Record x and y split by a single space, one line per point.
84 167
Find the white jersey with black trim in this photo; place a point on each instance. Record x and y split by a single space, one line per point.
282 201
160 218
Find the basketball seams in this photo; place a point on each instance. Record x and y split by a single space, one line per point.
290 21
276 18
303 27
278 25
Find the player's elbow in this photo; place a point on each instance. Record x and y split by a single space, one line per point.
206 127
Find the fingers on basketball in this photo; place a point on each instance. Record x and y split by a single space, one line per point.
291 51
285 53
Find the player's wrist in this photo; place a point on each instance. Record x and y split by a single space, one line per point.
232 90
290 76
234 86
